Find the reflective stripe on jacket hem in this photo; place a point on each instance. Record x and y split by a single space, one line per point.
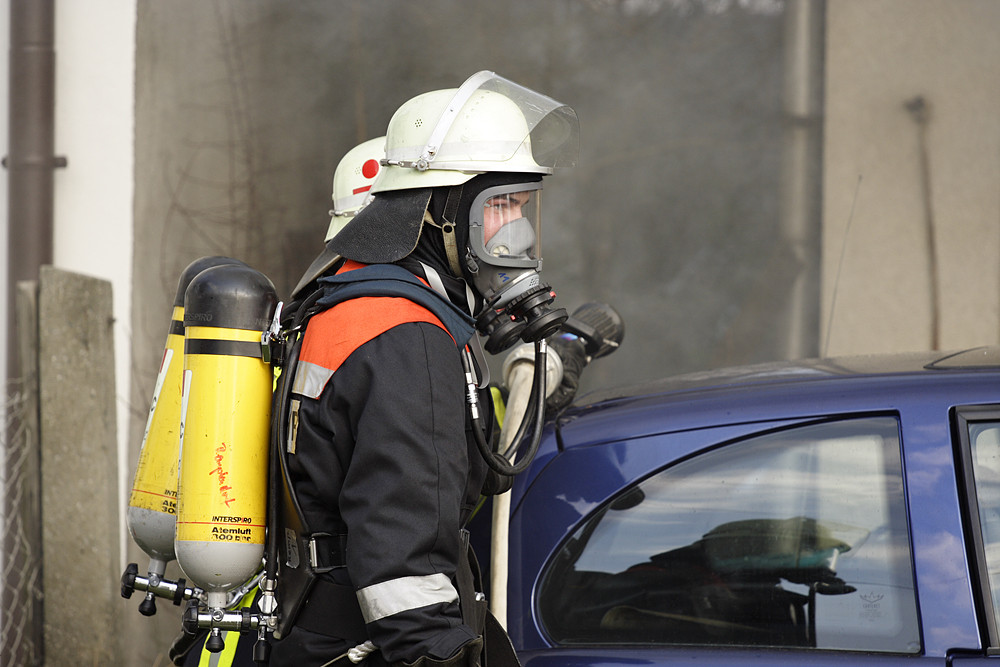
403 594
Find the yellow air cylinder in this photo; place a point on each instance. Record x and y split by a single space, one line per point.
222 488
152 504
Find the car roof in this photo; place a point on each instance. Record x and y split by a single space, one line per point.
980 358
776 390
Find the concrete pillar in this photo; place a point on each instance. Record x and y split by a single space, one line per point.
80 539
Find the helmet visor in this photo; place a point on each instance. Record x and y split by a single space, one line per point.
553 128
505 225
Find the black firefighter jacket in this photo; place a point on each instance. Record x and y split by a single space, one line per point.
382 452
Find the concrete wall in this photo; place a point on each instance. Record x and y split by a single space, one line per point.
877 264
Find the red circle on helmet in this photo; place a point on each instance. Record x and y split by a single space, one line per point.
369 168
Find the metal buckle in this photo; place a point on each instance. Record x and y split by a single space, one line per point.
314 553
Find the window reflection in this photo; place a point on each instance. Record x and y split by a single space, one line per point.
795 538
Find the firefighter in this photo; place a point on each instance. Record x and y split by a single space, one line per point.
382 463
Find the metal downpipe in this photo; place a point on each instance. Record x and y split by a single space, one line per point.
801 178
30 161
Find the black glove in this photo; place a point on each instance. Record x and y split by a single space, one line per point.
573 353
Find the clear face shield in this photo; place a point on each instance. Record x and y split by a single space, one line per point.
553 127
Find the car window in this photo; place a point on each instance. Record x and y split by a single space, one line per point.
984 443
795 538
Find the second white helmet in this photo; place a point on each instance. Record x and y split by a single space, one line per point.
352 182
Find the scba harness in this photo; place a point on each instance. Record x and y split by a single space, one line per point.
377 297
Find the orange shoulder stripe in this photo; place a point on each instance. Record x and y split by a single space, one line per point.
334 334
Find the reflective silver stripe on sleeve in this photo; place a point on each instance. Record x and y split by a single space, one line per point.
310 379
403 594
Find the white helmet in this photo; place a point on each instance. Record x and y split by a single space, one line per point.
352 182
445 137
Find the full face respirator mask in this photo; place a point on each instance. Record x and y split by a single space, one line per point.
503 260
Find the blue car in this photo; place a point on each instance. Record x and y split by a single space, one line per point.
834 512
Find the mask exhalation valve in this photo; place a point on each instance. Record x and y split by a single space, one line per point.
528 316
541 319
501 329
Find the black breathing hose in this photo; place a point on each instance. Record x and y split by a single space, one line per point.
534 413
278 422
300 311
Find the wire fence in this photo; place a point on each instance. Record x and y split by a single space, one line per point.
21 572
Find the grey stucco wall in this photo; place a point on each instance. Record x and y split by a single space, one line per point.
887 181
244 108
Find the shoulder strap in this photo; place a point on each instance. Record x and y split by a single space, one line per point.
395 281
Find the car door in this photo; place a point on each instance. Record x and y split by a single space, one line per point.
787 546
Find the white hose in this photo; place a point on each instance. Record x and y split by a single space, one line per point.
518 380
518 371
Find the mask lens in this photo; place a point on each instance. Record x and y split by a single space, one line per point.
511 225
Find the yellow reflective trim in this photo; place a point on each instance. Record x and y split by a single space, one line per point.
499 407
